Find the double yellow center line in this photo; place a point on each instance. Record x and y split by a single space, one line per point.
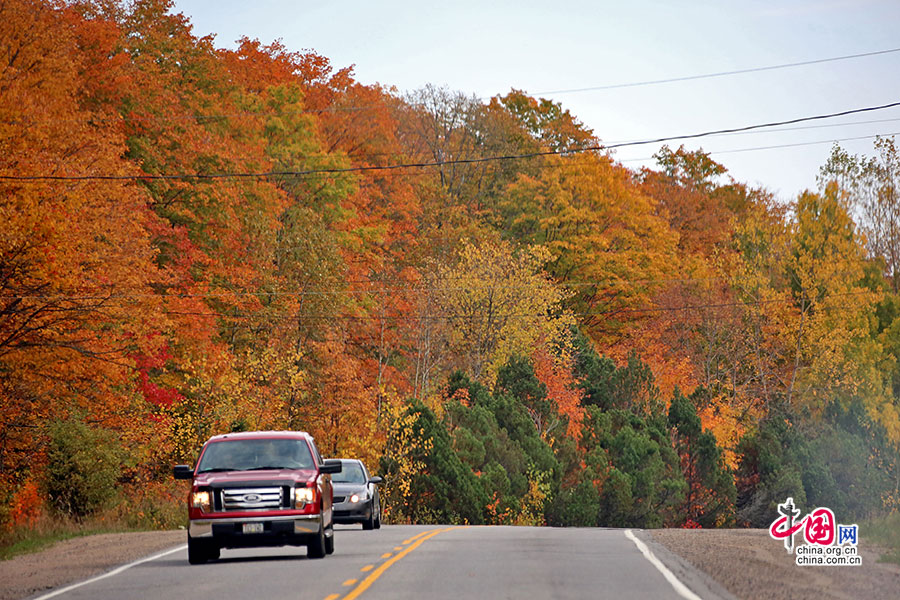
413 543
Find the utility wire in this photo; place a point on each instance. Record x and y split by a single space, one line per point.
606 284
620 143
794 145
746 128
226 314
438 163
802 128
472 317
119 118
719 74
353 108
775 146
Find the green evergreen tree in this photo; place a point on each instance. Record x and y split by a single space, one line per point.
444 490
709 500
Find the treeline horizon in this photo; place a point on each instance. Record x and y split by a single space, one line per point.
199 240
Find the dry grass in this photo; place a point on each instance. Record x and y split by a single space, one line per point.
154 506
45 531
884 531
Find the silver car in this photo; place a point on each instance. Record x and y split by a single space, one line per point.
356 495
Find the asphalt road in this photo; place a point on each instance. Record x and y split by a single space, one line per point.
399 562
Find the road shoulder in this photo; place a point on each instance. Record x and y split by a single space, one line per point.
77 559
750 564
695 579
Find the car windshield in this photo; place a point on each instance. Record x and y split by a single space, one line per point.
247 455
350 473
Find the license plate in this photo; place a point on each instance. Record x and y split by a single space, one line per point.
253 527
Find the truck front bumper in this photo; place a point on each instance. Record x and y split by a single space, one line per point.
232 528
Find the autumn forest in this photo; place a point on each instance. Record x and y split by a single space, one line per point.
471 295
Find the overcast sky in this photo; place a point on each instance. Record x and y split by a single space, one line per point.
486 48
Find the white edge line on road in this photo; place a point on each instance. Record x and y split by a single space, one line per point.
682 589
115 571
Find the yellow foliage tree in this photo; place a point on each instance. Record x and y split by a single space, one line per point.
835 353
499 304
606 239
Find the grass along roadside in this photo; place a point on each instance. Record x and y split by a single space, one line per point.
152 511
47 531
884 532
18 543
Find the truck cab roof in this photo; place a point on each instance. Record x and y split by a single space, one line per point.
258 435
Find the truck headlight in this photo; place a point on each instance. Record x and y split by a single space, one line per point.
201 500
303 496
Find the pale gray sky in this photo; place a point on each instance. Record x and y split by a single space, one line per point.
485 48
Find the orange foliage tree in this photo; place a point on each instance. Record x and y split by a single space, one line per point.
76 260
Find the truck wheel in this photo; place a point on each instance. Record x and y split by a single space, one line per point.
316 548
197 552
329 541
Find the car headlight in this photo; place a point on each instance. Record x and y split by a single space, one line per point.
304 496
359 497
201 500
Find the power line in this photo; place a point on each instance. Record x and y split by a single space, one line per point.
439 163
848 139
413 317
803 128
719 74
362 107
93 118
472 317
777 146
748 127
383 290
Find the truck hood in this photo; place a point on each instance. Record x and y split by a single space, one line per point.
264 477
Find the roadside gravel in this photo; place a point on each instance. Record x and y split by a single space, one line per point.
750 564
77 559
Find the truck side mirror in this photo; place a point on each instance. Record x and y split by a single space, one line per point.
183 472
331 465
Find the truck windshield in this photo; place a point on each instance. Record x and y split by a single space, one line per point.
247 455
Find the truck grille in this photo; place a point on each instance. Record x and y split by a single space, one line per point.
267 498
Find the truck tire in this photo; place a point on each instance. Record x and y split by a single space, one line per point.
316 548
329 541
197 552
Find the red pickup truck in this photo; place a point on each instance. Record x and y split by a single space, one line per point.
260 488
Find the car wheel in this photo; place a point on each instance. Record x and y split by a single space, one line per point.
197 552
378 519
329 541
316 548
369 523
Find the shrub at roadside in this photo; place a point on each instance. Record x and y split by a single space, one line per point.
83 467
